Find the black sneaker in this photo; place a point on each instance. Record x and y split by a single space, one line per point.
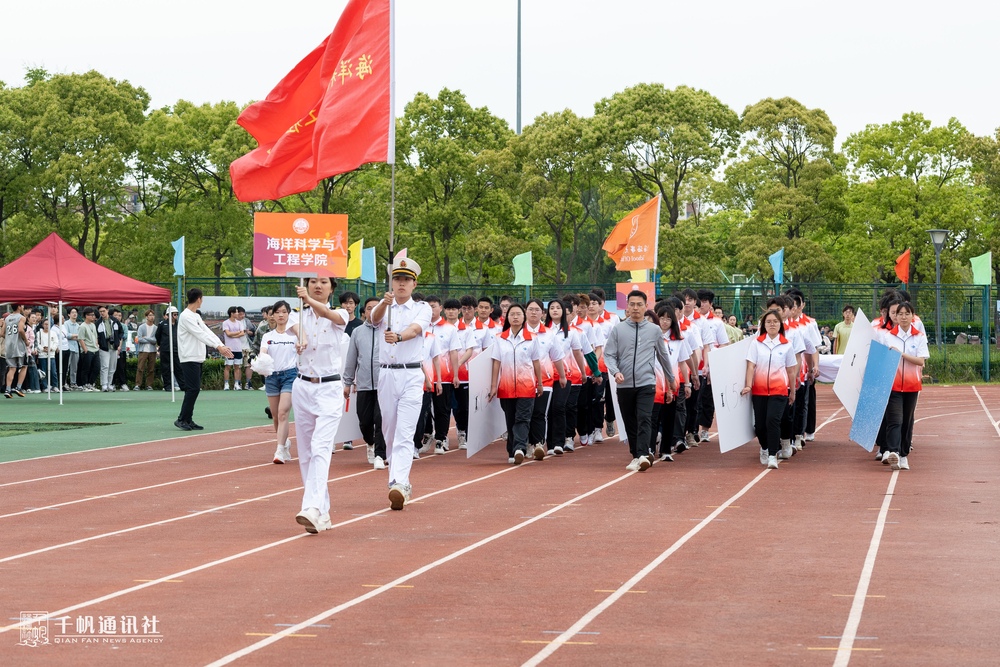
184 426
17 390
194 427
6 393
267 411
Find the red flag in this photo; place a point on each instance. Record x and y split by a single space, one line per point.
332 113
903 267
632 243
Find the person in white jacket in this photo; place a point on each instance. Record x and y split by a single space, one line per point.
193 336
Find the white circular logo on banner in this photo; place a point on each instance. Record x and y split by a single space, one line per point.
300 226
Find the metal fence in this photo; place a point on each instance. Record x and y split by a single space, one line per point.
965 309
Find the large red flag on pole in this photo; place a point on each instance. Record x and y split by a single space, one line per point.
332 113
632 244
903 267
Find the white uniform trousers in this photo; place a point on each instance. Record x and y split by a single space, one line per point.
318 409
400 398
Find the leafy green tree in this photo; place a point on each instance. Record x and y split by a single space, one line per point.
657 138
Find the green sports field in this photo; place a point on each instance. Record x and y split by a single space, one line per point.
35 426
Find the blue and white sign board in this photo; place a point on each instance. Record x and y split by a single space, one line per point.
733 412
880 372
851 374
486 418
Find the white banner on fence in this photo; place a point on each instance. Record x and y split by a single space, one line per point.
349 429
733 412
851 375
486 419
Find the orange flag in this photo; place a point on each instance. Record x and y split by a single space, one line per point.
329 115
903 267
633 241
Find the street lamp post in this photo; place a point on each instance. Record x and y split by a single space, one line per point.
938 237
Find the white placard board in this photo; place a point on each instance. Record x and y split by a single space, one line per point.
829 367
486 419
733 412
851 375
622 434
349 429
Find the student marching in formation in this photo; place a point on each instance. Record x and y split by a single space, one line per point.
670 422
782 305
807 369
579 341
698 341
905 337
451 345
888 305
431 364
609 320
770 379
471 339
572 361
602 328
402 323
553 373
279 343
361 370
517 380
317 398
714 335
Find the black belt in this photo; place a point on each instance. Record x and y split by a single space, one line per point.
328 378
398 366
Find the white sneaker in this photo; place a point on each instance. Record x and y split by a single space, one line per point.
568 445
287 451
763 456
238 387
878 456
348 446
510 460
462 444
885 458
787 450
690 440
611 429
634 466
810 437
666 457
597 436
416 454
425 441
584 440
557 450
371 454
893 460
112 388
903 463
798 443
279 455
379 463
550 452
644 463
324 522
225 387
704 436
248 387
124 387
310 519
136 388
772 462
441 447
518 457
399 495
538 453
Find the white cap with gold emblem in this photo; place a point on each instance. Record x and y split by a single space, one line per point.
405 267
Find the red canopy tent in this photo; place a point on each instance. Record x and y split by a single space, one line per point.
54 272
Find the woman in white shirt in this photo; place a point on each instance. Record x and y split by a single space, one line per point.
906 338
550 357
318 398
672 417
279 343
557 324
770 377
517 380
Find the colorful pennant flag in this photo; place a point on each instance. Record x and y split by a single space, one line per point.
982 269
354 259
632 244
522 269
368 265
777 261
903 267
178 256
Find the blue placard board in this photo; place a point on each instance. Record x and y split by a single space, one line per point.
875 389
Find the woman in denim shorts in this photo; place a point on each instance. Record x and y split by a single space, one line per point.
279 343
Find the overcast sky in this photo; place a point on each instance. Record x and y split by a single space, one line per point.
863 61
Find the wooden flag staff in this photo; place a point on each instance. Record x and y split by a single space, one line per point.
303 282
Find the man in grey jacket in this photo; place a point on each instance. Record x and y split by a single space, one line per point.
630 353
361 376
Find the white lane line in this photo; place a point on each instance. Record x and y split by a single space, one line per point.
248 552
165 521
406 577
858 606
133 444
949 414
639 576
143 488
988 414
137 463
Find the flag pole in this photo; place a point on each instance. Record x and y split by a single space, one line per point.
392 235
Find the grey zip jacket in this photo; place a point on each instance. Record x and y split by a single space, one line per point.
361 366
632 348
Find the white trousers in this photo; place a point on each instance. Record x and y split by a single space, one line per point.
318 409
400 398
109 363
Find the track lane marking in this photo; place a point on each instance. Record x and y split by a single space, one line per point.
988 413
858 606
225 660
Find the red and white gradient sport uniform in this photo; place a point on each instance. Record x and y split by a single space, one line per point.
577 340
771 358
913 343
679 352
589 329
604 323
448 340
516 355
549 351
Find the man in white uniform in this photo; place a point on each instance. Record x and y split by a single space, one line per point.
402 322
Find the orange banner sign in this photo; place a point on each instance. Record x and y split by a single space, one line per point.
286 243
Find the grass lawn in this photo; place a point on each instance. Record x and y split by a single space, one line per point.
35 426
